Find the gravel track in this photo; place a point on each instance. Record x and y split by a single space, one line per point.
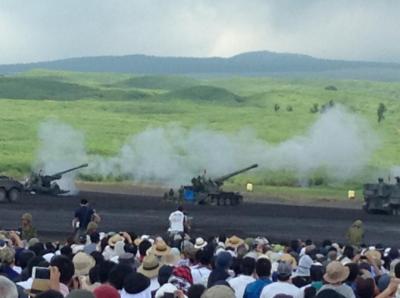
149 214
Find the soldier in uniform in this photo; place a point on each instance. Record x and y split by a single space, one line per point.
355 234
27 230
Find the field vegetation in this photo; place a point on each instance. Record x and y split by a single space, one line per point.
109 108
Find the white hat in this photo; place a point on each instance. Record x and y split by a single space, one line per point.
200 243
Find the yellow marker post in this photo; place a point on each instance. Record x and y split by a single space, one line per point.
249 187
351 194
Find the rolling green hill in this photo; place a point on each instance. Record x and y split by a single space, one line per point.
251 63
51 88
157 82
204 93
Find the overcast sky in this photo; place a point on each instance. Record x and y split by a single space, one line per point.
37 30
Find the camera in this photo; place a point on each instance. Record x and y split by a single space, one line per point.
40 273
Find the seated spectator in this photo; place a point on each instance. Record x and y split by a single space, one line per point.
136 285
220 272
220 291
353 273
196 291
347 255
104 271
106 291
240 282
302 273
335 276
365 287
94 242
181 278
316 277
7 268
283 286
164 274
201 272
66 272
263 271
150 268
118 274
7 288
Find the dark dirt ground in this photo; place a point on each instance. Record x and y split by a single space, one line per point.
148 214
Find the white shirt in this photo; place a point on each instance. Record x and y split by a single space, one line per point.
342 289
109 253
279 287
240 283
176 221
200 275
154 285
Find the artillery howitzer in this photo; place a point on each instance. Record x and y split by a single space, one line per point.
46 184
208 191
382 197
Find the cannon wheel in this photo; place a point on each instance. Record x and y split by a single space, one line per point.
14 195
3 194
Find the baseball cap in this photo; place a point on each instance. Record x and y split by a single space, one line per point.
284 269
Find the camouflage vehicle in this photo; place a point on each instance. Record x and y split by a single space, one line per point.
10 189
208 191
382 197
45 184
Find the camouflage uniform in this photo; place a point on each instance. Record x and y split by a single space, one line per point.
355 234
27 230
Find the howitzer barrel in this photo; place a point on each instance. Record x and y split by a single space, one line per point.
59 174
221 179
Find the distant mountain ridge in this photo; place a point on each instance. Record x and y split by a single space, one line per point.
251 63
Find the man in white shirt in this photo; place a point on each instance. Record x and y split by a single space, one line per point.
177 222
283 286
201 271
240 282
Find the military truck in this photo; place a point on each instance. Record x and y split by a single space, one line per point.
46 184
382 197
208 191
10 189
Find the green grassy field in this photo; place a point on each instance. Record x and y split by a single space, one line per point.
108 108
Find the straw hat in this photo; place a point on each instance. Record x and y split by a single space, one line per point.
374 254
234 242
83 263
336 272
200 243
114 239
173 257
160 248
150 266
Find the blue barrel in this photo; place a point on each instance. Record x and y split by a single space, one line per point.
188 195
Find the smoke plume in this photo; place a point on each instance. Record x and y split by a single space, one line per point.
338 142
60 147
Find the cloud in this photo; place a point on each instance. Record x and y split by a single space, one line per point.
46 29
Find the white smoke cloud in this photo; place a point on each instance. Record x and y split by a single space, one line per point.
61 147
338 142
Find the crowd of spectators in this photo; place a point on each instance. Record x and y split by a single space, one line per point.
97 264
